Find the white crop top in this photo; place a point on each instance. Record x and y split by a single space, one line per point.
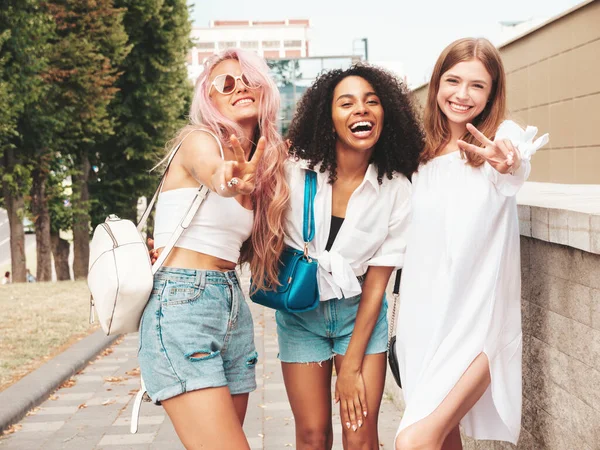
219 228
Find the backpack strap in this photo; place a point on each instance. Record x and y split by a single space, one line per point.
169 159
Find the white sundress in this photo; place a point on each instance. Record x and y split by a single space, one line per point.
461 288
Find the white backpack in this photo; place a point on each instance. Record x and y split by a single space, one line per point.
120 276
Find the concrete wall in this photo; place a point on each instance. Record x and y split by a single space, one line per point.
553 76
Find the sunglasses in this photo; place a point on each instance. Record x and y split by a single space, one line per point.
225 83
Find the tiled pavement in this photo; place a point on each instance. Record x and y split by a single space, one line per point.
93 410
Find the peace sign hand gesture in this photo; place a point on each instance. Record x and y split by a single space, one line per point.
238 177
502 155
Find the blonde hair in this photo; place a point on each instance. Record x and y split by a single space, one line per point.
435 123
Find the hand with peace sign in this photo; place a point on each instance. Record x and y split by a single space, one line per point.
238 176
502 155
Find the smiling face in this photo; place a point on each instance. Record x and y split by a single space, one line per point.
242 105
464 91
357 114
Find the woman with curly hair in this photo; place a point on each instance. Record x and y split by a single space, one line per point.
197 353
357 128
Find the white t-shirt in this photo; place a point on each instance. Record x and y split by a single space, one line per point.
373 233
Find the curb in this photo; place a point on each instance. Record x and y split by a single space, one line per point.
37 386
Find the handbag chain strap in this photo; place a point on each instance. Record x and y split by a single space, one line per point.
308 227
396 294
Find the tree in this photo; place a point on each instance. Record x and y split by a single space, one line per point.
154 94
91 44
25 32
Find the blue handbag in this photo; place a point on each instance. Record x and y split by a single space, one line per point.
298 290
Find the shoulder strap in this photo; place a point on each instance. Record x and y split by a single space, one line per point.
396 294
310 190
146 214
183 224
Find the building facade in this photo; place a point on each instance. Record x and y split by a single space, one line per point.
276 39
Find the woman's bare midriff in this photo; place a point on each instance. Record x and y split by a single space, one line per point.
188 259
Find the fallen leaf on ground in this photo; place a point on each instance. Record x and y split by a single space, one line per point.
114 379
69 383
53 397
134 372
82 406
12 429
32 412
105 352
108 402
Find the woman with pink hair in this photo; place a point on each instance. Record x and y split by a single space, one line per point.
197 353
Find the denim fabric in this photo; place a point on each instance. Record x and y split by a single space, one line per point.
193 312
318 335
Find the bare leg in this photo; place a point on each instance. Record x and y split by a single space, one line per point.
453 441
308 388
431 432
201 419
240 403
373 372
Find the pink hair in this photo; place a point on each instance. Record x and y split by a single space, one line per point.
271 195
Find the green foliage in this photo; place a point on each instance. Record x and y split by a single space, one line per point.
152 98
89 44
104 80
24 43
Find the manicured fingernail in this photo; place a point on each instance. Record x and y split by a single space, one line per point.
360 423
354 428
365 413
348 425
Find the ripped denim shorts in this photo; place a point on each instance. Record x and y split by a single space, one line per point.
196 332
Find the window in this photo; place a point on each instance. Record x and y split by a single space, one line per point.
292 44
205 45
271 44
226 44
249 44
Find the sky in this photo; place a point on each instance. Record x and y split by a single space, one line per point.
405 36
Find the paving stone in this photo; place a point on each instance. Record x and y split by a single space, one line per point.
126 439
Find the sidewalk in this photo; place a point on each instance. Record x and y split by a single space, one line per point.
93 410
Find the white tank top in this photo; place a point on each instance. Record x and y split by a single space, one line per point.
219 228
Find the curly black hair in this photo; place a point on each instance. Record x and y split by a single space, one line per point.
401 140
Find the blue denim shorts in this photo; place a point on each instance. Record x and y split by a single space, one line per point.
318 335
196 332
